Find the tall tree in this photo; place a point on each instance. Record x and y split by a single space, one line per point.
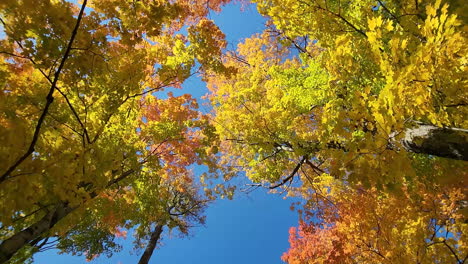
422 224
182 211
352 103
368 95
79 121
397 67
175 206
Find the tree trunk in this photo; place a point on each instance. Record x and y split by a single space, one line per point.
451 143
11 245
151 245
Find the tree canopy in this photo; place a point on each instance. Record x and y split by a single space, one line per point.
357 107
360 109
87 147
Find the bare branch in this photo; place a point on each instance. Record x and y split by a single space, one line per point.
285 180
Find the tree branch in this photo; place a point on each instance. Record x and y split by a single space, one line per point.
285 180
49 99
453 252
85 131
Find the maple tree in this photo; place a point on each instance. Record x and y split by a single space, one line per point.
183 210
365 102
87 147
367 98
171 206
357 225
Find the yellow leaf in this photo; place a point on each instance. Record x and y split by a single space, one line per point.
390 26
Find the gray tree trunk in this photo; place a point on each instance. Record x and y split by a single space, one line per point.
451 143
11 245
151 245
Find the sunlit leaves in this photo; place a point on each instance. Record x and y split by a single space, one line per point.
339 111
108 148
259 106
365 226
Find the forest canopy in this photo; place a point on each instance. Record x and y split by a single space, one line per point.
356 108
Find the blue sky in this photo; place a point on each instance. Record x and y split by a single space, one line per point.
252 228
249 229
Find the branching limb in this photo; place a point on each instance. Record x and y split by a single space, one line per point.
285 180
49 99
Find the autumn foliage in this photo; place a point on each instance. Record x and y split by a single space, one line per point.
88 148
359 108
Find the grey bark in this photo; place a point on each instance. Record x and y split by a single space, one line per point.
451 143
11 245
151 245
